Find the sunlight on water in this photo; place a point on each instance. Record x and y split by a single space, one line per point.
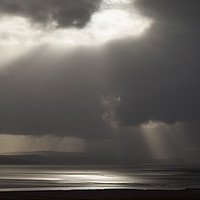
84 178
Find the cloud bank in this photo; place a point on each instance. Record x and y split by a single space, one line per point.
64 13
102 27
87 91
157 77
50 93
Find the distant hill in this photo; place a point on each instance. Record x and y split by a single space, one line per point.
51 157
10 160
72 158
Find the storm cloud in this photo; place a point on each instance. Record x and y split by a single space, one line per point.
127 82
157 76
45 93
63 12
157 81
171 13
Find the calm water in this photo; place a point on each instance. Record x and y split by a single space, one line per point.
87 177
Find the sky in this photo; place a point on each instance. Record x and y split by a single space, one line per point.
109 77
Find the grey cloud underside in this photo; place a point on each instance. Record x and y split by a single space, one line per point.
65 12
49 94
159 82
157 77
173 13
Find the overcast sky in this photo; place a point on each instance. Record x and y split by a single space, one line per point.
115 77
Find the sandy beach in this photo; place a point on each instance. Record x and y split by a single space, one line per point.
187 194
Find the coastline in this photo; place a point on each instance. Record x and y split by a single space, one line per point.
109 194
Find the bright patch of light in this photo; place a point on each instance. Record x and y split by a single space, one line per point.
116 19
91 177
108 3
151 125
10 54
16 31
152 134
97 178
115 24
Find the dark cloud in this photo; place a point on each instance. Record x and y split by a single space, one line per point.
45 93
64 12
177 12
157 76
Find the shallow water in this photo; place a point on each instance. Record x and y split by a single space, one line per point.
14 178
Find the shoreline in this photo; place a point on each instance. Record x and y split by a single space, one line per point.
109 194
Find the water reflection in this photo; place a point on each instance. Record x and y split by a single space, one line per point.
87 177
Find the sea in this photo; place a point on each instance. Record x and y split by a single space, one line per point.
145 177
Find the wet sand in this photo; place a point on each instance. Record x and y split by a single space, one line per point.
187 194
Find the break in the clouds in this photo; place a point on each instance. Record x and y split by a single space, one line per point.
102 25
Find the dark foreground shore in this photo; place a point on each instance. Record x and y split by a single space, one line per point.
188 194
